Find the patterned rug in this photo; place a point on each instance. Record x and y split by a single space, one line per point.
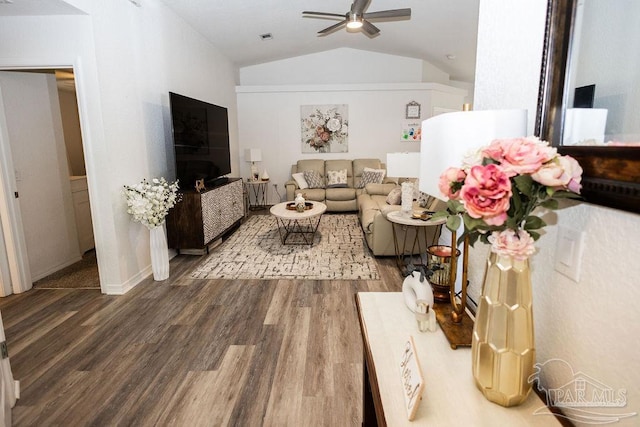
254 251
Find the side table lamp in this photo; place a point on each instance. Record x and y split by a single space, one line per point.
446 139
253 155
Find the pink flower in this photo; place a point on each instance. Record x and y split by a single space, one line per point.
510 243
562 173
450 182
486 193
520 155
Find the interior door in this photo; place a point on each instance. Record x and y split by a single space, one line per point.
7 384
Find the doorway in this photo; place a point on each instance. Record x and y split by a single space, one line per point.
47 170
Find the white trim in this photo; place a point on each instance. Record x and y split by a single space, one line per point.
121 289
353 88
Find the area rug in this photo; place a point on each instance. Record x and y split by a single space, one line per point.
255 251
81 275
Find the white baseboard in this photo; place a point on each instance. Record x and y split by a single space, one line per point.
121 289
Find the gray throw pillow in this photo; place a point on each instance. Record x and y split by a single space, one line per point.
313 178
371 177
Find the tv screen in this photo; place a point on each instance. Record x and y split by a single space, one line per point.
200 140
583 96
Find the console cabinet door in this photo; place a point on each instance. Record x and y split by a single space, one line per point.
211 215
201 217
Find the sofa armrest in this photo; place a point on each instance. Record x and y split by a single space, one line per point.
379 189
291 186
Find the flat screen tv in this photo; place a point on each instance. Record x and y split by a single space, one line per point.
200 139
583 96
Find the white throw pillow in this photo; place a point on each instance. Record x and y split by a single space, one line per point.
337 179
299 179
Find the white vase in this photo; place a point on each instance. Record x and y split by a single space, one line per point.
264 176
159 253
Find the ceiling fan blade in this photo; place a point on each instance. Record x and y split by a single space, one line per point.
359 6
369 28
332 28
393 13
338 15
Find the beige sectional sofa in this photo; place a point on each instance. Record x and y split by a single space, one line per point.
378 232
370 202
337 199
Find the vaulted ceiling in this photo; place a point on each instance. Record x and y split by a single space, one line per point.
442 32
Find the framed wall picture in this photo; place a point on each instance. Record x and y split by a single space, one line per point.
325 128
413 110
411 131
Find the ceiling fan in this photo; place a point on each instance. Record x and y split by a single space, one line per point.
356 18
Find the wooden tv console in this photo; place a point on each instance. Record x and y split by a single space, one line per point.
201 218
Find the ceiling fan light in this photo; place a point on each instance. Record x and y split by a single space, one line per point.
355 22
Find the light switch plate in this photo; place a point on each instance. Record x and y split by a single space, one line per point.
569 248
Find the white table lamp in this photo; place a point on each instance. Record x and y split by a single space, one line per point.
253 155
446 140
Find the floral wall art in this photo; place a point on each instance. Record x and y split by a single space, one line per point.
325 128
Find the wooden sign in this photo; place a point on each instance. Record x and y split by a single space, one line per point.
411 376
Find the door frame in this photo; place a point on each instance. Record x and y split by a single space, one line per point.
10 217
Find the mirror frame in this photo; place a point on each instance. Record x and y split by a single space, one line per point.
611 175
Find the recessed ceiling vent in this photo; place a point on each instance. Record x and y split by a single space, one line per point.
266 36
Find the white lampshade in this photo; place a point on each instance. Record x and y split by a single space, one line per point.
584 126
253 155
447 138
403 165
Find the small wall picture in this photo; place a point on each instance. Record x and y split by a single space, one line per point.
325 128
411 130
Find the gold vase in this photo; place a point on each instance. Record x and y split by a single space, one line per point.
502 347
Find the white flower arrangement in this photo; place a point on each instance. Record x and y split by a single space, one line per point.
149 202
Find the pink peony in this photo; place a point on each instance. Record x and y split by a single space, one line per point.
520 155
448 178
562 173
486 193
510 243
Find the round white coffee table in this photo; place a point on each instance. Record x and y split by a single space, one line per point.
291 222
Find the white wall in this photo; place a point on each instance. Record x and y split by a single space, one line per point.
40 163
126 60
593 324
269 119
343 65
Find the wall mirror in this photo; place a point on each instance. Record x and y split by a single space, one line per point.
589 98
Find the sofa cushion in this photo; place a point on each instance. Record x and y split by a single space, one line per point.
380 189
310 165
315 194
340 194
337 179
314 179
360 164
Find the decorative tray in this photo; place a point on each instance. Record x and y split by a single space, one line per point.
292 206
424 215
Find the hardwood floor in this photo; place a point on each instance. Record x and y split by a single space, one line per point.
191 352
